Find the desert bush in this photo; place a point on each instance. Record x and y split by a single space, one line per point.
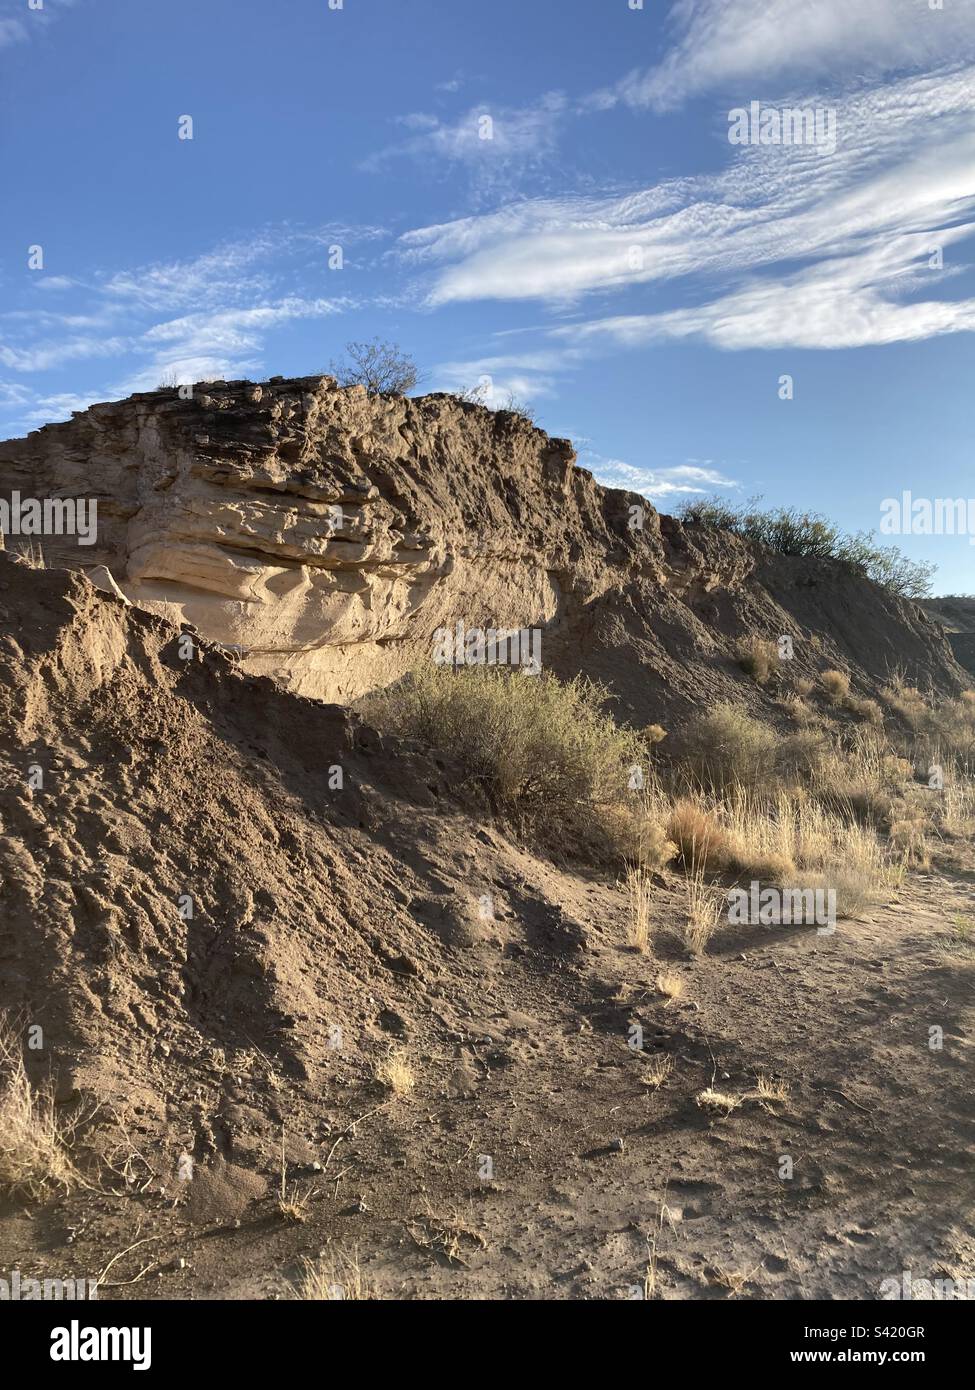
802 755
835 686
727 747
808 534
547 756
944 729
758 658
382 368
34 1153
905 700
701 840
867 710
799 711
909 840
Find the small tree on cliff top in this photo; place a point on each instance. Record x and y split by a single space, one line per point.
380 367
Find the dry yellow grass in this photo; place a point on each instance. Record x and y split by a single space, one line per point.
771 1091
734 1280
909 840
670 985
656 1071
800 711
34 1152
758 658
334 1280
704 902
835 685
638 890
867 710
31 556
718 1101
694 827
396 1072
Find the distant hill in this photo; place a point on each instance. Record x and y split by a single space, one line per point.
957 613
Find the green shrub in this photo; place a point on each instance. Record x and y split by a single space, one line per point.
546 755
758 658
726 748
792 532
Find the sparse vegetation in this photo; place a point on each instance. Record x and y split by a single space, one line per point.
758 658
670 985
34 1141
293 1204
835 686
656 1070
396 1072
770 1091
717 1101
382 368
545 754
703 910
727 747
638 888
334 1280
31 555
811 535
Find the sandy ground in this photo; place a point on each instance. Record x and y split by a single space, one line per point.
530 1160
600 1186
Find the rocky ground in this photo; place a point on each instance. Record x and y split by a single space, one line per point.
214 1060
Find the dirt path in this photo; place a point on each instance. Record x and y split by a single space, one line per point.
532 1161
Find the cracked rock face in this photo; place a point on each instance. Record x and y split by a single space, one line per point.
325 532
327 535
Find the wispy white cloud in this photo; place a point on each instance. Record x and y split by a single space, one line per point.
685 479
233 269
840 237
12 31
519 376
44 356
227 290
54 282
495 144
18 24
842 303
222 342
722 44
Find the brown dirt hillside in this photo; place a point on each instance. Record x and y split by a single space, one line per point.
328 533
207 1061
957 614
302 998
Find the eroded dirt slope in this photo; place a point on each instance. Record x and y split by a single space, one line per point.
329 534
332 925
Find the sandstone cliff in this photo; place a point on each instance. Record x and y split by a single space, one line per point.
327 534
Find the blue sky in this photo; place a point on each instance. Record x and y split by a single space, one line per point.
606 255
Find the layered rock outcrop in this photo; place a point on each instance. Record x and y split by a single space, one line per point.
327 534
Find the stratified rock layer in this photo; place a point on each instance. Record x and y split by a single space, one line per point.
328 534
